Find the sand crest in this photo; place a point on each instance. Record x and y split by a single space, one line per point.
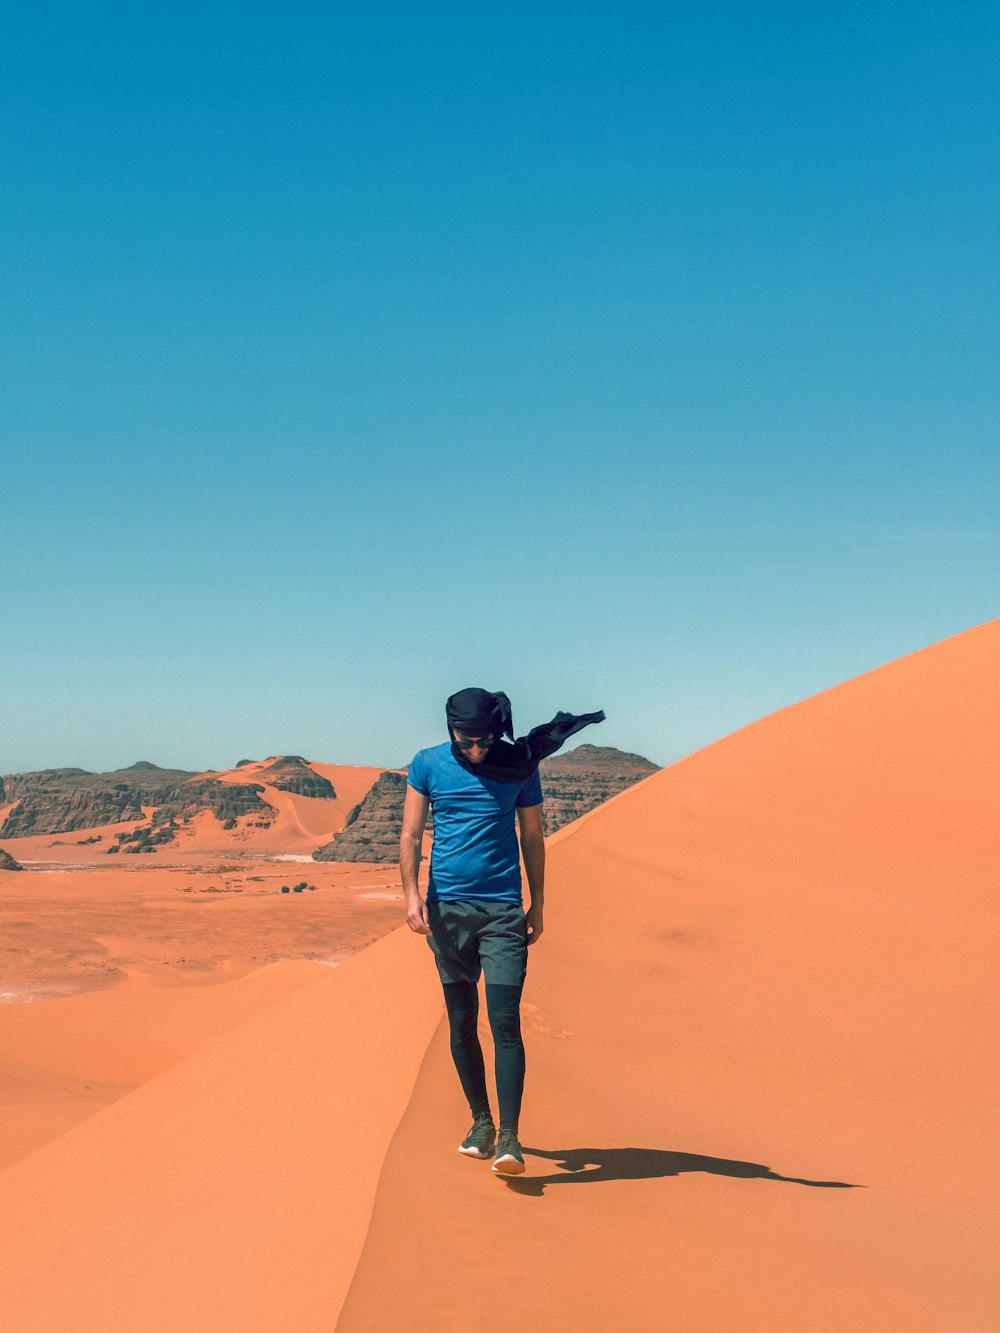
234 1189
761 1087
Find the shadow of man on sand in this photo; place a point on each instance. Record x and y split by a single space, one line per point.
579 1166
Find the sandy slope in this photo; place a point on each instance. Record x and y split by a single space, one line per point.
150 946
762 1089
62 1060
233 1190
303 823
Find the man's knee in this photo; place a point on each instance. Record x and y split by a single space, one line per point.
503 1005
461 1000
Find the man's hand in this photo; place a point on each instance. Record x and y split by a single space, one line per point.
416 914
533 920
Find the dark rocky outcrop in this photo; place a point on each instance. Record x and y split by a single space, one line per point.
572 785
7 862
59 800
226 800
575 783
371 831
290 772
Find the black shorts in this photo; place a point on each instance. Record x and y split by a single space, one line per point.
472 936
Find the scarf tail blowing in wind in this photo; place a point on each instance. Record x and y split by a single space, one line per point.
476 712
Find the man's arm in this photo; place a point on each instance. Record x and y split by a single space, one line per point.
414 819
529 818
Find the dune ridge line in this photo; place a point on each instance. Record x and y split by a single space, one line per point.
235 1188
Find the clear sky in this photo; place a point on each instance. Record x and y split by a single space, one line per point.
635 356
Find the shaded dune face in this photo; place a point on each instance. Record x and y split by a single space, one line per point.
760 1087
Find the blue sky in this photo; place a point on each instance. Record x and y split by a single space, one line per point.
640 357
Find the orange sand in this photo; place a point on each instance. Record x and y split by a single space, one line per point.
233 1190
778 956
759 1033
63 1060
155 941
132 923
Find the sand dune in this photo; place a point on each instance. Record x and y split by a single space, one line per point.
234 1189
303 823
760 1095
761 1083
62 1060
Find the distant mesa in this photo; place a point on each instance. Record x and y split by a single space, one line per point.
7 862
573 784
60 800
578 782
290 772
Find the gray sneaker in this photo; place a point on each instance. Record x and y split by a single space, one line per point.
480 1138
509 1161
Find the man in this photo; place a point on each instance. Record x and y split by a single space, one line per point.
473 916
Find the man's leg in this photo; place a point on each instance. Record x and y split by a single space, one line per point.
452 941
461 999
503 1006
503 950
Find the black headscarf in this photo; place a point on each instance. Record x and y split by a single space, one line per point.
476 712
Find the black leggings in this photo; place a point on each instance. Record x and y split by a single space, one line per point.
502 1004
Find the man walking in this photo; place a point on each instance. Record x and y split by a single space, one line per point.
476 783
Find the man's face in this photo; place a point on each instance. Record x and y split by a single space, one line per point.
473 747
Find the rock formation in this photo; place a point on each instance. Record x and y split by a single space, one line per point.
59 800
371 831
585 778
572 785
226 800
7 862
290 772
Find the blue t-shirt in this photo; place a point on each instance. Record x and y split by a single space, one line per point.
475 849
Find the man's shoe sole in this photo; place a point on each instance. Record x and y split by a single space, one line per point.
474 1152
508 1166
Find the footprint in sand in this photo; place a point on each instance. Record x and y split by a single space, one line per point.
534 1018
